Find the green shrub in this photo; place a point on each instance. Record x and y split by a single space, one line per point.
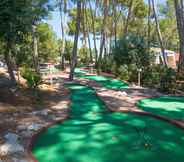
106 65
83 55
114 69
123 72
133 72
180 77
161 77
33 79
132 49
168 81
151 76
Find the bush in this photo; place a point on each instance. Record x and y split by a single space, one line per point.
106 65
161 77
168 81
33 79
133 72
151 76
109 66
132 49
114 69
83 55
123 72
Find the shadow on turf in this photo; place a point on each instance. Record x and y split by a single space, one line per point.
94 134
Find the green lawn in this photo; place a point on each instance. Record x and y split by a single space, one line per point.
92 134
106 82
168 106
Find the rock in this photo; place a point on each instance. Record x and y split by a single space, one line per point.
42 112
27 133
124 93
9 148
34 127
119 93
11 145
51 117
29 127
11 137
58 118
21 127
18 160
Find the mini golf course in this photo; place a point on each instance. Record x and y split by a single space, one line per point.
106 82
168 106
92 134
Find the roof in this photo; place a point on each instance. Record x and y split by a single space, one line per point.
158 51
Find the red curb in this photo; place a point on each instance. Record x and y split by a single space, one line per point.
144 113
178 123
33 138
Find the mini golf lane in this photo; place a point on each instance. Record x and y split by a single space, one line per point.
168 106
106 82
92 134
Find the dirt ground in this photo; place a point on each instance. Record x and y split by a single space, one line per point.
22 108
24 112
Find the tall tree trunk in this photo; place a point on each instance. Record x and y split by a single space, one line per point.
61 10
84 25
128 17
180 25
115 21
105 47
74 52
90 51
7 57
149 23
94 31
35 49
109 40
88 34
103 31
159 35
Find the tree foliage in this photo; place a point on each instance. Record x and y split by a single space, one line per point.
131 49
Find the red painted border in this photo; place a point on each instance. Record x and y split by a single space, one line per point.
175 122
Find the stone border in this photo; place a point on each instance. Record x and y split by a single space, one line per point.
34 137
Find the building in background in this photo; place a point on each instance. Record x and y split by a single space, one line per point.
172 57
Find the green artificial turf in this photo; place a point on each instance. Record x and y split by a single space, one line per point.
169 106
92 134
106 82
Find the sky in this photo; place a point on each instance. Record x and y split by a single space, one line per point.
54 21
